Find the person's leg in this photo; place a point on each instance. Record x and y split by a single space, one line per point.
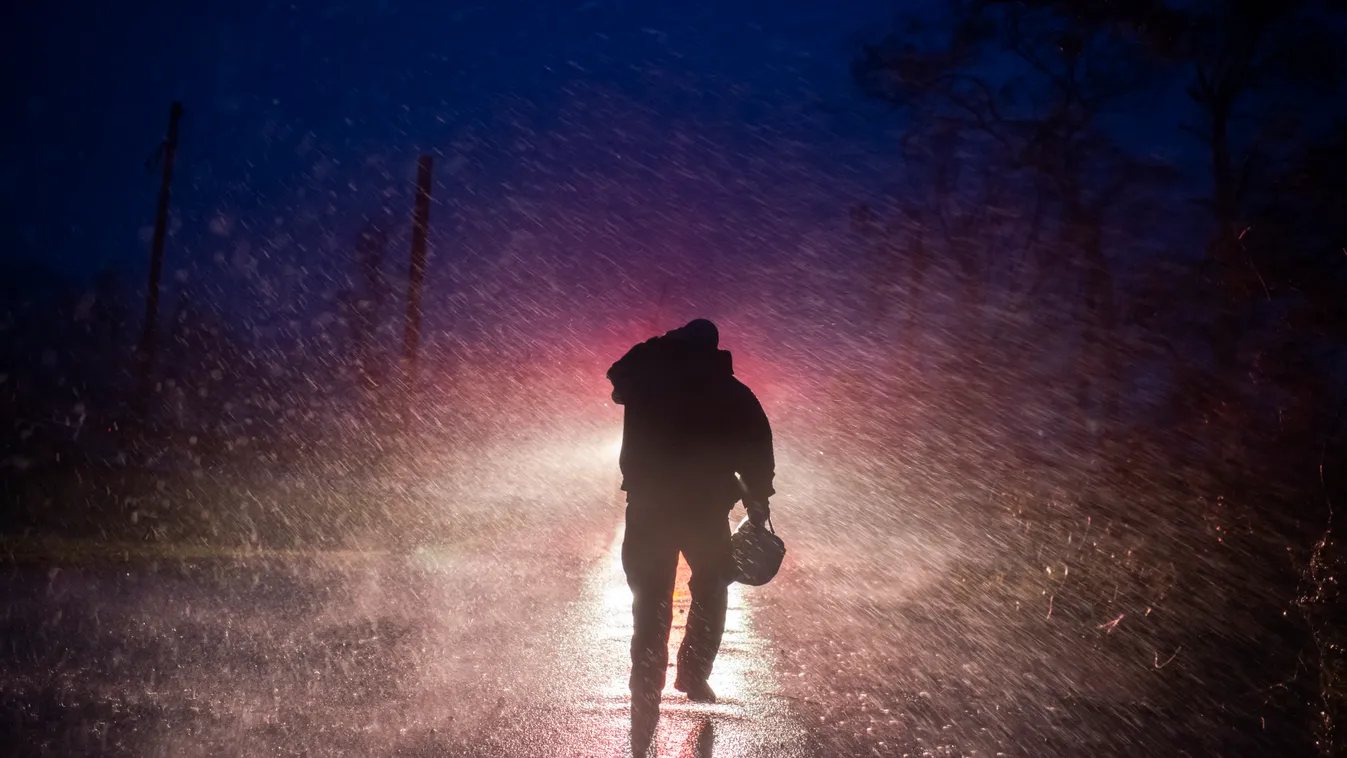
650 560
706 546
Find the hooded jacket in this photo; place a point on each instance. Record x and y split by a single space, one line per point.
689 425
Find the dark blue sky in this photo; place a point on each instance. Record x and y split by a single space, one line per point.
594 149
289 102
587 152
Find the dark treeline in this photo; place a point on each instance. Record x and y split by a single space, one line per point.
1179 315
283 423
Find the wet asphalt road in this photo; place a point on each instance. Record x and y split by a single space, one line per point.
460 649
926 636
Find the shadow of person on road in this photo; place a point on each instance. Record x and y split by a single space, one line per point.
644 720
701 740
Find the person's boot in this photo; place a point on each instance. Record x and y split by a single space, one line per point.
697 690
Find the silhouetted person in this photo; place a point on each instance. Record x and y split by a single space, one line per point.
689 427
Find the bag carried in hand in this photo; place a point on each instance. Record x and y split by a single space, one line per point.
758 552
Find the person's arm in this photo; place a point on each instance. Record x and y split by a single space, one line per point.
757 463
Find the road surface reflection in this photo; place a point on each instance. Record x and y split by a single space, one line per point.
748 719
481 648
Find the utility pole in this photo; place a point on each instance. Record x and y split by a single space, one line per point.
147 337
411 335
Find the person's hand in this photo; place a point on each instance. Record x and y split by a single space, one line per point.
758 512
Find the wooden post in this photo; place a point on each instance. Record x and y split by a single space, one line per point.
147 337
411 334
